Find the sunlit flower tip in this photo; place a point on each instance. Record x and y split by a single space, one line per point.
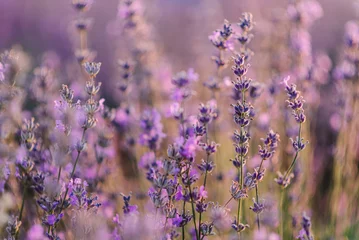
92 68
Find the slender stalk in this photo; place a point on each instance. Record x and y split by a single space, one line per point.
22 203
21 210
193 213
73 170
257 196
225 205
282 193
184 209
295 157
204 183
59 174
258 224
240 175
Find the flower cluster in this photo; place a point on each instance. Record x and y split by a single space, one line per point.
67 157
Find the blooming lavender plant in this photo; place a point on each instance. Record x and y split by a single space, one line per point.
67 156
242 117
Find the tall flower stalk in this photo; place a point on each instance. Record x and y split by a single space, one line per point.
295 103
242 117
90 109
266 151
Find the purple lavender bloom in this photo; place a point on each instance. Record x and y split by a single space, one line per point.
149 160
151 126
206 166
52 219
127 208
2 72
79 197
183 79
187 148
182 220
283 180
257 207
239 227
82 5
4 175
305 232
246 22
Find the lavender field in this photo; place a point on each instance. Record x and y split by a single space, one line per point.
179 119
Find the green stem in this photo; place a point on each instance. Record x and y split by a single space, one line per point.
59 174
22 203
184 209
296 155
21 210
73 170
225 205
193 213
257 195
282 213
258 224
240 175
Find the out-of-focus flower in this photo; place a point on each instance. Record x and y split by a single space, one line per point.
82 5
88 225
36 232
151 126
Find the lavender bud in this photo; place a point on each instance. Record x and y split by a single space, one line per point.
92 68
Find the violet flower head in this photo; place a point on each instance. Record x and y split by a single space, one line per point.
207 113
246 22
2 72
257 207
305 232
187 148
183 79
83 24
182 82
4 175
239 227
82 5
295 101
305 12
151 127
283 180
127 208
13 227
270 143
79 196
221 38
92 68
28 133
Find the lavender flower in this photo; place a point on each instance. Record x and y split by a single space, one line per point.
151 126
305 232
92 68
